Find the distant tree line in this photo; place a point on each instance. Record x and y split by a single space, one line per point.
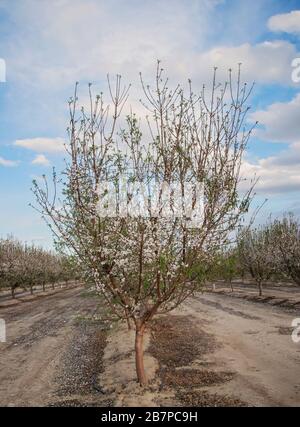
26 266
269 251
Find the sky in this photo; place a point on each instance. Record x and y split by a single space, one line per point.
48 45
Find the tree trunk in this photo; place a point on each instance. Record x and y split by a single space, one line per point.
53 286
13 292
43 287
260 289
31 289
127 320
139 354
128 324
231 287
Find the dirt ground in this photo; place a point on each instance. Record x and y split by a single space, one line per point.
279 294
255 343
216 350
23 294
53 355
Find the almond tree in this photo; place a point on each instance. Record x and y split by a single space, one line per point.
55 270
68 269
23 265
11 252
30 267
42 268
255 248
286 246
227 265
35 266
141 259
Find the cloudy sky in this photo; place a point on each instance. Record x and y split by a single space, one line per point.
48 45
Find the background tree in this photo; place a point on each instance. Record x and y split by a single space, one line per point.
11 256
145 264
227 265
68 269
255 248
30 267
286 246
25 266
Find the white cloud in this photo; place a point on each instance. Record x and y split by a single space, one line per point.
126 40
286 22
40 159
46 145
267 62
280 173
8 163
277 174
69 40
280 121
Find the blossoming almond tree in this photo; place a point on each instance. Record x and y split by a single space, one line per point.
286 246
11 256
256 253
143 257
23 265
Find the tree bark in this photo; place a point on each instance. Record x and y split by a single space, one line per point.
31 289
13 292
139 354
260 289
127 320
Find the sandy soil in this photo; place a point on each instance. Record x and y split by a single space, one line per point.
22 295
279 293
40 335
118 379
220 351
256 344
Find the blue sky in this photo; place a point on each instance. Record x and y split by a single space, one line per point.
49 45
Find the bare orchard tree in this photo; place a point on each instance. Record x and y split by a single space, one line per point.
286 246
255 248
142 259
